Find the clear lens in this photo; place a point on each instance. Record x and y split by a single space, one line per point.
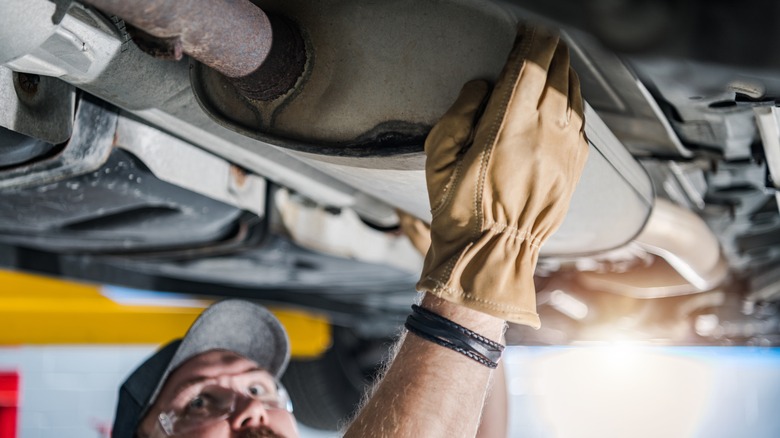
283 398
216 403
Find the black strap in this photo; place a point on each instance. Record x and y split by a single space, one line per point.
439 330
435 316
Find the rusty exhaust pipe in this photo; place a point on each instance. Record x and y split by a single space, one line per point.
262 55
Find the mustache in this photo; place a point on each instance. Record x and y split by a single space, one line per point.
260 432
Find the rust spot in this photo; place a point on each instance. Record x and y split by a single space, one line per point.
263 55
29 82
169 49
238 175
281 69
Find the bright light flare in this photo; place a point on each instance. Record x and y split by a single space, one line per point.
621 390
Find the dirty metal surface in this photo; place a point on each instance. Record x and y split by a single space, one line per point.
119 206
37 106
282 67
21 36
207 31
88 148
79 49
377 76
622 100
178 162
384 62
262 55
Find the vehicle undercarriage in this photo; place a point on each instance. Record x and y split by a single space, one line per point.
263 149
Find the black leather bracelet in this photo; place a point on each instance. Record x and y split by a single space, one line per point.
439 330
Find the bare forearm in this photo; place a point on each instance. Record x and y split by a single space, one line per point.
495 414
430 388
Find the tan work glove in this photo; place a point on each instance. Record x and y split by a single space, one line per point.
500 182
418 232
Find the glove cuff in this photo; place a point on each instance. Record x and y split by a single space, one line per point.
493 275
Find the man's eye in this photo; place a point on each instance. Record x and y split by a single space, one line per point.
257 391
199 405
262 392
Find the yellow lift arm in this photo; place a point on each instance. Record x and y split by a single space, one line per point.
41 310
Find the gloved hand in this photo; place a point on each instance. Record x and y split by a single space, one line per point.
418 232
500 182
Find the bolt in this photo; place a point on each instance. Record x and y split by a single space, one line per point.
29 82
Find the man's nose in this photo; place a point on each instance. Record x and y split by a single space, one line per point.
249 413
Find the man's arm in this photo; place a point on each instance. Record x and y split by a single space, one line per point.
495 413
419 395
500 181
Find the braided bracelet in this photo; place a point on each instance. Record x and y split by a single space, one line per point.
439 330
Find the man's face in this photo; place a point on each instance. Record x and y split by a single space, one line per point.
226 373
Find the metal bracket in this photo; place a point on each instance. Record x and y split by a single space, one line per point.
768 121
36 106
88 148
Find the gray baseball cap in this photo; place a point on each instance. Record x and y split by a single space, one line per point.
242 327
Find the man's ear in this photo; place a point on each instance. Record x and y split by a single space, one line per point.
148 427
140 433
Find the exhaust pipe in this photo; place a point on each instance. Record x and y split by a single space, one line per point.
685 242
262 55
688 258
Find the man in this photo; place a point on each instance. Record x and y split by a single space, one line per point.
501 169
220 380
